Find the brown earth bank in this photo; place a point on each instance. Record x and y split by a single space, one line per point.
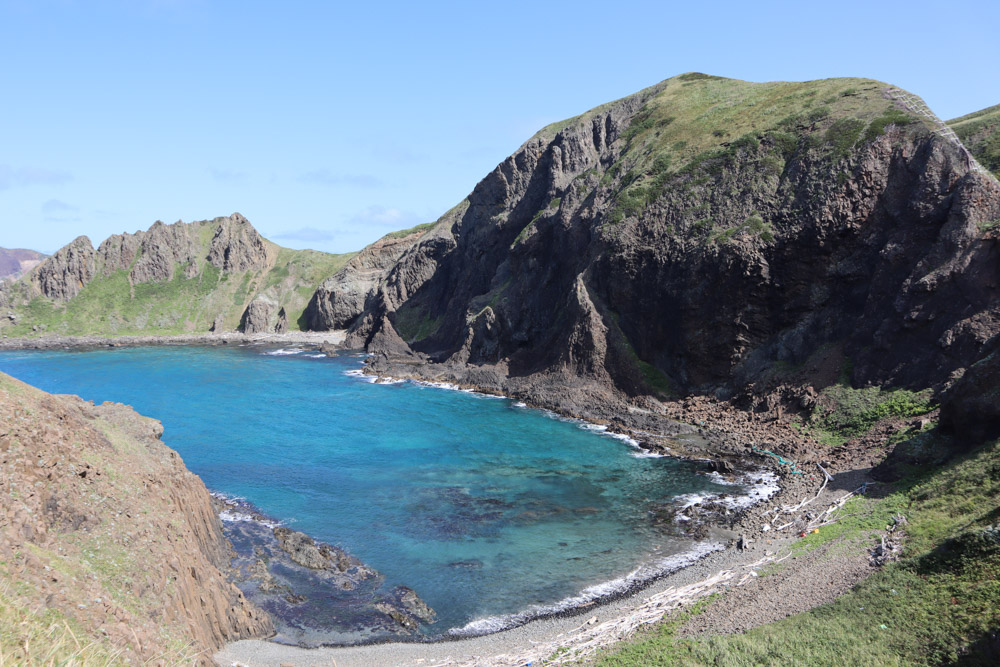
104 527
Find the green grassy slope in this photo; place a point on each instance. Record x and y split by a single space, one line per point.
980 132
695 125
110 305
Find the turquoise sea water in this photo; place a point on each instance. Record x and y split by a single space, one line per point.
491 512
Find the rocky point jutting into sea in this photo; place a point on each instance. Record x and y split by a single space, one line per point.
733 259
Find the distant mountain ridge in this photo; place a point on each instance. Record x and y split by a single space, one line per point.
212 275
14 262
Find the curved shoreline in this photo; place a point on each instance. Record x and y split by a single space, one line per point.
486 649
530 632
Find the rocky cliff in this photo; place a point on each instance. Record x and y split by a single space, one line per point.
699 237
104 528
62 276
15 262
342 298
213 275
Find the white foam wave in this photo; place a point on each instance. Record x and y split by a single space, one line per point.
639 576
234 516
315 356
644 454
761 485
519 404
283 351
237 509
593 427
360 374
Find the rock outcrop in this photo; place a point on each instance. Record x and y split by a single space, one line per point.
64 274
237 246
264 315
153 255
637 250
971 406
339 300
103 524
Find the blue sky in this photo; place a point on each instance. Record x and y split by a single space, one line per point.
329 124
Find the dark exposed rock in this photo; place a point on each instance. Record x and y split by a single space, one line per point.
163 247
237 246
303 550
342 297
414 605
257 317
971 406
64 274
405 621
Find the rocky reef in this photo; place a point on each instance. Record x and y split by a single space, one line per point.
316 593
104 528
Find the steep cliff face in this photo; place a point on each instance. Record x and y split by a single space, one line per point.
179 278
971 407
341 298
697 235
236 246
62 276
104 527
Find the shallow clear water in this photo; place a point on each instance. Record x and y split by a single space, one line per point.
490 511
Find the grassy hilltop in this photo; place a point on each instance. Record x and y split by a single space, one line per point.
980 132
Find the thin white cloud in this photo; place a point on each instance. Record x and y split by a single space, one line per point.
386 217
328 178
398 154
21 176
307 235
55 210
227 175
